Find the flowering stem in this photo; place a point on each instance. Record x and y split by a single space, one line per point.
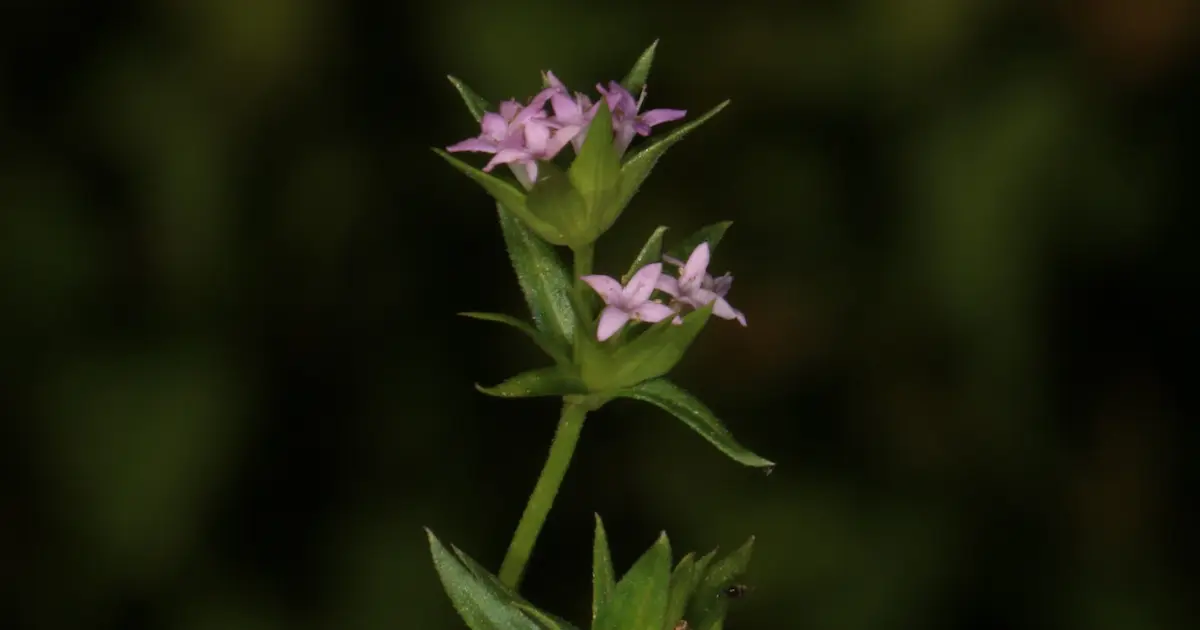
583 266
570 424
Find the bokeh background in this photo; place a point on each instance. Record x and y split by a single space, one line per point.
233 389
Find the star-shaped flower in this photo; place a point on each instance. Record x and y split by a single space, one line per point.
626 121
631 302
508 133
696 288
570 114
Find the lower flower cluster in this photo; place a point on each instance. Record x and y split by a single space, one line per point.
694 288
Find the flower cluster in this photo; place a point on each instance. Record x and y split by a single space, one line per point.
523 135
694 288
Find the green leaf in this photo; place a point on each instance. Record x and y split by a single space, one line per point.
639 165
683 582
551 347
549 381
651 253
641 71
474 600
475 103
657 350
596 172
709 605
507 195
544 280
639 600
603 576
679 403
506 594
710 233
555 201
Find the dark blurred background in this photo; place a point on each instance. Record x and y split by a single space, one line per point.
233 388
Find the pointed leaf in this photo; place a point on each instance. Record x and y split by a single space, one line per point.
475 103
475 602
555 200
641 70
596 172
507 195
656 351
651 253
551 347
544 280
679 403
549 381
506 594
710 234
709 605
603 576
639 165
683 582
639 600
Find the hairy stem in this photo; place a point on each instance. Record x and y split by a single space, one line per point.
570 425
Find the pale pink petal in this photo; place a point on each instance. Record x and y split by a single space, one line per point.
494 126
509 109
696 265
506 156
536 138
652 312
473 144
722 309
611 320
642 284
668 285
559 140
531 170
608 288
565 109
553 81
660 116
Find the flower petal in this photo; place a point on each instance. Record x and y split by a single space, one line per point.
721 285
537 136
566 109
652 312
509 109
481 145
553 81
668 285
608 288
611 320
722 309
642 284
660 116
696 265
507 156
494 126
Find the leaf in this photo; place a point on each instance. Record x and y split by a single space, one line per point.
550 346
710 234
657 350
708 605
651 253
683 582
549 381
596 172
679 403
475 103
507 195
639 165
475 602
641 70
543 278
555 201
639 600
506 594
603 576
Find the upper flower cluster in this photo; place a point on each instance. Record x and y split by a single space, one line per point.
522 135
694 288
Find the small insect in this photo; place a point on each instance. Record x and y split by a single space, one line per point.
682 625
735 591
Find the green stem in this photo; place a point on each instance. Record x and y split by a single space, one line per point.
561 449
583 266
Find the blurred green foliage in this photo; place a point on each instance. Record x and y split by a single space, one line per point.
234 388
